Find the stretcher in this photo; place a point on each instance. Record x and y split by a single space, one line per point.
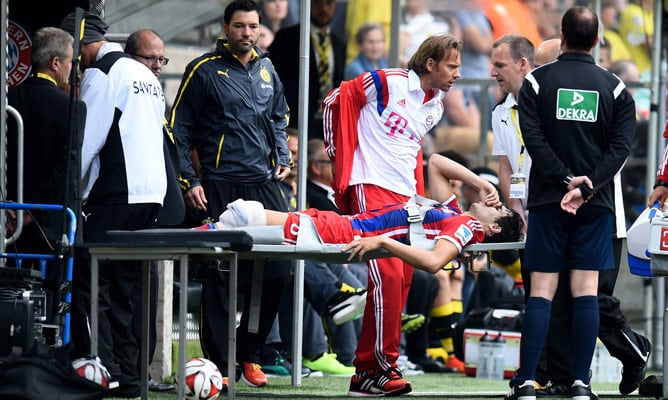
249 243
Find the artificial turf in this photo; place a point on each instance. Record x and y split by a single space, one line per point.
433 386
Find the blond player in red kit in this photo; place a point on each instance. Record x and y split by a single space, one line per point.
374 125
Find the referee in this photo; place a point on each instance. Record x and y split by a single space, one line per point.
578 123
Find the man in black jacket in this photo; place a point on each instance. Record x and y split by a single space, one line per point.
578 124
230 108
325 72
51 148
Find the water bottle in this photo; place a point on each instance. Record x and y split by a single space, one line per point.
485 357
499 357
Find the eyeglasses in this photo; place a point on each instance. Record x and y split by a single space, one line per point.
154 59
323 161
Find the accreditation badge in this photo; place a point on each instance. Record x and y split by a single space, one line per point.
518 186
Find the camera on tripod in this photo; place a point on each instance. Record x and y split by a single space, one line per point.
24 312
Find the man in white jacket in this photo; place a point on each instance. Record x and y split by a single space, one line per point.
124 184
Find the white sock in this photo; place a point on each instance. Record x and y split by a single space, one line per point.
242 212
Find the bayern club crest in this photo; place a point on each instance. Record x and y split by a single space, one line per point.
18 54
429 121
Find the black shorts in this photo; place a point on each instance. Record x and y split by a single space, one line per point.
558 241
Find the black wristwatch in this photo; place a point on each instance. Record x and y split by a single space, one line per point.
587 193
660 182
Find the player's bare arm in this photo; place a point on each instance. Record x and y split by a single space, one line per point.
431 261
441 169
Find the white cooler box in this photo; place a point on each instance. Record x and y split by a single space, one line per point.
604 367
658 246
638 239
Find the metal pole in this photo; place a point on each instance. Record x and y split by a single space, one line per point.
4 61
657 321
485 116
652 157
653 127
648 299
302 124
19 174
394 33
597 49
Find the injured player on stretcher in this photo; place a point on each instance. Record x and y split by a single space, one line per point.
398 227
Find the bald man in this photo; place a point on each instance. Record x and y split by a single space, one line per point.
579 35
512 57
547 51
631 348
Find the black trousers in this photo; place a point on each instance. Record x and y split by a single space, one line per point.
614 331
214 304
117 344
420 300
153 310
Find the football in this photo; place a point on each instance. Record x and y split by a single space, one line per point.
91 368
202 378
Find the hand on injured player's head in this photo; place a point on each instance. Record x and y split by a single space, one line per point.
489 195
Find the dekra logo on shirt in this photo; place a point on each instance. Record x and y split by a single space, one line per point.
577 105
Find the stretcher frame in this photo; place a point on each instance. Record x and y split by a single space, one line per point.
146 245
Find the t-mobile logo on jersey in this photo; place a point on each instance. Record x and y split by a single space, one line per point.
397 125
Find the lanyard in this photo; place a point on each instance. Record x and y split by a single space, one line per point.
513 114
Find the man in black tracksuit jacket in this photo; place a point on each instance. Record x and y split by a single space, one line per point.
231 110
578 124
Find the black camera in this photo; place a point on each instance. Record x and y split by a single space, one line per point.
24 319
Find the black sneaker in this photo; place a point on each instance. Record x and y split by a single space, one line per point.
155 386
580 391
553 389
429 364
126 392
652 386
346 306
524 391
631 377
363 384
633 372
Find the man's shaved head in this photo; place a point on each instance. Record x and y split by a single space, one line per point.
547 51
